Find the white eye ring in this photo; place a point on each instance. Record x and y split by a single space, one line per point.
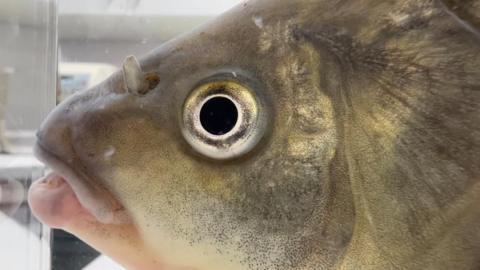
222 119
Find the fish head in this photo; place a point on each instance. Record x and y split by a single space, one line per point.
287 135
218 146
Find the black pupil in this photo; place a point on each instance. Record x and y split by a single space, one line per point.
218 115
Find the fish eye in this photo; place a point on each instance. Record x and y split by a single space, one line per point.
222 119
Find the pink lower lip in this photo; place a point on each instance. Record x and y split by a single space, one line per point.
99 202
54 202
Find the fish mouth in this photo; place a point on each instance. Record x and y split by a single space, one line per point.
92 196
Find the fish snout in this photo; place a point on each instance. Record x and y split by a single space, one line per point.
54 135
61 129
62 145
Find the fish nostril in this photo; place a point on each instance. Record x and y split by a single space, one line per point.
218 115
135 80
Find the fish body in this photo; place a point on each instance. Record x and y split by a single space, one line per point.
288 135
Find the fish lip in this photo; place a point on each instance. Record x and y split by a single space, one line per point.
104 210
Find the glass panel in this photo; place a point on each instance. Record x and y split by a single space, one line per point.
28 68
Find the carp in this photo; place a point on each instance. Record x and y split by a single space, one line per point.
302 134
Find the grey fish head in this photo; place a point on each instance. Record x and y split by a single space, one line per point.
333 137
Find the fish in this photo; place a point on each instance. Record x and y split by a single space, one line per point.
287 134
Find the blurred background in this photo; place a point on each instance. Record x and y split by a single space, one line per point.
48 50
